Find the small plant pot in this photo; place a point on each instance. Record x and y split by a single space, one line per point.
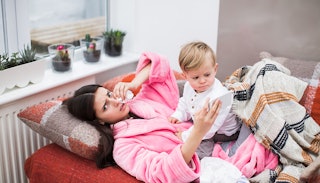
61 56
90 53
92 56
61 66
112 47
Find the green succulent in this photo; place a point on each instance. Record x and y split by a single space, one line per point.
4 58
8 62
27 54
114 35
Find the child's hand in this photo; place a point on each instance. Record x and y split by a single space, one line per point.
178 134
173 120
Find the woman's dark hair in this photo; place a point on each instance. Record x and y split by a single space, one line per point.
81 106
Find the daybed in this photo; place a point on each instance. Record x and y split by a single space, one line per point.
69 158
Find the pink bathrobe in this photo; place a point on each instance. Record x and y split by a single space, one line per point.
148 148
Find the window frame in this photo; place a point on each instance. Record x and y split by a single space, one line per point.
2 37
14 25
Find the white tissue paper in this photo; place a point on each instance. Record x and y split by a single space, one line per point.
216 170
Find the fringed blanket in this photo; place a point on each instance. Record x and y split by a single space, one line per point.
267 100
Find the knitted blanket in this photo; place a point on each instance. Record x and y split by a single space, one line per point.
267 100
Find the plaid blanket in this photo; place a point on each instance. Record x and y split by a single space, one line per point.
267 100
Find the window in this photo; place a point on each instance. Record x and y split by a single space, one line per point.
62 21
45 22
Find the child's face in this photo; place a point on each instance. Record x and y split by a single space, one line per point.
202 78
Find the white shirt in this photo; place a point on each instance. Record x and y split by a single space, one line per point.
191 102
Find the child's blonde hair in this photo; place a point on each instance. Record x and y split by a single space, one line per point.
193 54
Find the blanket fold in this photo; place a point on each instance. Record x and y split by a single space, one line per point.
267 100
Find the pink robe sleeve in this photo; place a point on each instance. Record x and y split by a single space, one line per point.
161 86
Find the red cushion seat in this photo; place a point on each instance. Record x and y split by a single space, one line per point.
54 164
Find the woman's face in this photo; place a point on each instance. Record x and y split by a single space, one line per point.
109 109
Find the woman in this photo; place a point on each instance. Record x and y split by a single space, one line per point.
144 142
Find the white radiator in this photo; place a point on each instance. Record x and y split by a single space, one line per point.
17 140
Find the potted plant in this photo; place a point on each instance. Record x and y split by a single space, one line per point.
91 48
62 56
24 61
113 40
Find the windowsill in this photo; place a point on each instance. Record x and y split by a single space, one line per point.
80 69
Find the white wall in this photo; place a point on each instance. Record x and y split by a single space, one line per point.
164 26
287 31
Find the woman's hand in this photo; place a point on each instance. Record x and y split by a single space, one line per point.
178 134
203 121
205 117
121 88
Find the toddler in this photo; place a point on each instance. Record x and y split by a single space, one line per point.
198 64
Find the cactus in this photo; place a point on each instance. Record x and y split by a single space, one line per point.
62 54
91 47
90 43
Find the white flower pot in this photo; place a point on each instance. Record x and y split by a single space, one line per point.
22 75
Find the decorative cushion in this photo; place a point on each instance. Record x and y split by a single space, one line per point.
308 71
53 121
54 164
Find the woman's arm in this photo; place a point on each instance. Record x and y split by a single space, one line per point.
141 77
121 88
158 82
